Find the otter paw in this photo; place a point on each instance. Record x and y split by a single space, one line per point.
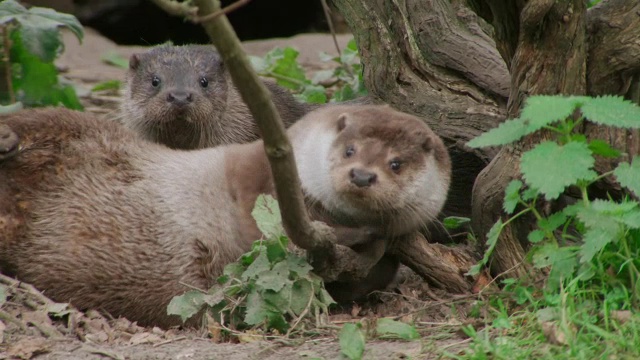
9 142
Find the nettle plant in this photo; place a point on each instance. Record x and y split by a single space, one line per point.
593 243
268 288
31 43
345 80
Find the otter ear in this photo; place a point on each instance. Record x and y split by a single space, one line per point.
134 61
427 143
343 119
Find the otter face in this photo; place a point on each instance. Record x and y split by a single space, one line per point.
388 169
173 88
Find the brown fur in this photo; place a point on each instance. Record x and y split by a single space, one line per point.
92 215
213 115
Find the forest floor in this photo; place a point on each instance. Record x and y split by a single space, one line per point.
29 327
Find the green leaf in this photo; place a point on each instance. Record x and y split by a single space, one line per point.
562 261
313 94
454 222
535 236
280 300
275 278
512 196
552 222
267 215
507 132
538 112
298 265
396 329
564 265
186 305
492 240
301 292
286 64
628 175
595 239
550 167
257 311
602 148
612 111
38 27
260 265
36 82
276 248
115 59
351 341
233 270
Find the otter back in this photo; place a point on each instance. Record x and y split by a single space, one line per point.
183 97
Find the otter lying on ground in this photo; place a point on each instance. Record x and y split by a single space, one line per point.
93 215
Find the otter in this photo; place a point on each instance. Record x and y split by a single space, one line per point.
183 97
93 215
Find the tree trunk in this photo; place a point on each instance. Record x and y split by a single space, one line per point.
437 59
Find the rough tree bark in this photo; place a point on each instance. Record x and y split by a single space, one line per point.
436 59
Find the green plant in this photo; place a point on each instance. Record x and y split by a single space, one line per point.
591 248
346 78
31 44
267 288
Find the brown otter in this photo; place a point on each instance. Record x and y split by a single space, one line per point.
183 97
93 215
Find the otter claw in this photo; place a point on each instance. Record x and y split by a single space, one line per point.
9 142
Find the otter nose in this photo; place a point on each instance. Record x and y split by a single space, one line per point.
179 98
362 178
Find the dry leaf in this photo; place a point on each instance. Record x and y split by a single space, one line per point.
553 333
97 337
249 336
621 315
144 338
214 328
27 347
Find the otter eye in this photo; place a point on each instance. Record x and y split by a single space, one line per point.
395 165
155 81
349 151
204 82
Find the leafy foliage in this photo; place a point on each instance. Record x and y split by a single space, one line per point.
281 64
389 328
571 163
591 248
352 341
265 288
35 43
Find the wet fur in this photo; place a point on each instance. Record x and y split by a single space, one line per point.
217 114
94 215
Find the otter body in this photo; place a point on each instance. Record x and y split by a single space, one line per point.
183 97
93 215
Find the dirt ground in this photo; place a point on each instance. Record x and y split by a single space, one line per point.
29 327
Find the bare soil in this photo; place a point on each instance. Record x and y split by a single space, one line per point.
32 326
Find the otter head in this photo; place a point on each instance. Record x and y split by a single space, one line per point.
171 89
388 167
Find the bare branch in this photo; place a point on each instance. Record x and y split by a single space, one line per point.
329 259
173 7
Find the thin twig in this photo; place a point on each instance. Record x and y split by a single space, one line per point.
236 5
327 14
172 7
179 338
